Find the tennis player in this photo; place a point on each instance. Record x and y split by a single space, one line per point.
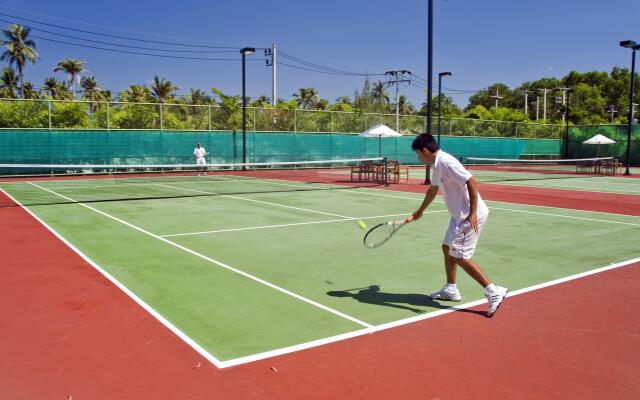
199 153
468 216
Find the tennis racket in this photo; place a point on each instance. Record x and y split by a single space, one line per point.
381 233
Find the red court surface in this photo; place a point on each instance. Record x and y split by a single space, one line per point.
67 332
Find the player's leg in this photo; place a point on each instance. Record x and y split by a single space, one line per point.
462 249
449 291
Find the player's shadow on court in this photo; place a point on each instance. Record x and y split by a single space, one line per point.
403 301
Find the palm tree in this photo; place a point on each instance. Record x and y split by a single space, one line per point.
72 68
91 91
20 48
261 102
196 97
28 92
306 97
343 100
378 95
405 106
230 108
8 83
162 90
198 115
135 94
51 86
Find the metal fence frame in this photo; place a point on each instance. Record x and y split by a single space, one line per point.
300 120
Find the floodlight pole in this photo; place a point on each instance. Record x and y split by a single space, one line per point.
633 46
245 51
566 126
427 178
440 75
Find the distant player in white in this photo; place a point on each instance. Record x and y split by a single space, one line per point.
468 212
199 153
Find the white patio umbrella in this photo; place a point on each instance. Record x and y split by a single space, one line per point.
599 140
380 131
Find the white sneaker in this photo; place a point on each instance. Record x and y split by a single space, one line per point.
444 294
495 299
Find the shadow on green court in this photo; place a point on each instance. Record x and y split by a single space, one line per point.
403 301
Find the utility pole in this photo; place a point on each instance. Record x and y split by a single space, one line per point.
396 78
564 99
611 110
272 52
537 107
526 103
497 97
544 104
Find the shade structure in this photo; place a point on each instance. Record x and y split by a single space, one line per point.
380 130
599 139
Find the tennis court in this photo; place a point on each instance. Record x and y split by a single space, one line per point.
244 268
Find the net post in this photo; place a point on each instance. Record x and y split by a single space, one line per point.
385 171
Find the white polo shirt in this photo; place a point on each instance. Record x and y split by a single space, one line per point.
451 178
199 152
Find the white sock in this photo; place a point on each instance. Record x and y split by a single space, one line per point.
450 287
491 288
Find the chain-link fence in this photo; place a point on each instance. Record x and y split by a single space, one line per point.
66 114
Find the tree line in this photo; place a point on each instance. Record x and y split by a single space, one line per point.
586 97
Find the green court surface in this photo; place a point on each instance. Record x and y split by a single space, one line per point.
260 271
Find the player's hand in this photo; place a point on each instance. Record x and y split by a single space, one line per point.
416 215
473 220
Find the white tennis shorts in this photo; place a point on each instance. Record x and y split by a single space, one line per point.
462 239
201 161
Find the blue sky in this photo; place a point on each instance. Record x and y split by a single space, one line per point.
480 42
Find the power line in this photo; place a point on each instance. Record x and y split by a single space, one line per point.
122 45
319 68
116 36
98 25
139 53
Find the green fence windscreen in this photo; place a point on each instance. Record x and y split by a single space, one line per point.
619 133
167 147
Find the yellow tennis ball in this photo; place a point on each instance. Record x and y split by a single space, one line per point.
362 225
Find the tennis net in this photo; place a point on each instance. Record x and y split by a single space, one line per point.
496 169
43 184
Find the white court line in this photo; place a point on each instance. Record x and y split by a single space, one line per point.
160 179
292 224
211 260
122 287
596 187
418 196
394 324
255 201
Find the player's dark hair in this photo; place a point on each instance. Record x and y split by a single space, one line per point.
425 140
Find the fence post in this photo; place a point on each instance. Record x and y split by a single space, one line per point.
332 130
209 108
295 120
254 119
108 117
161 121
365 121
49 112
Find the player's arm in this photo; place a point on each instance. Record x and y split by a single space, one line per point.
428 198
472 188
